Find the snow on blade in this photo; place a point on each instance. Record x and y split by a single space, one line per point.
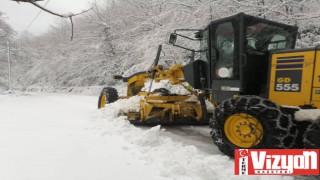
123 105
175 89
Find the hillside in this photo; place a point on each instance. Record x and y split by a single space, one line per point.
122 37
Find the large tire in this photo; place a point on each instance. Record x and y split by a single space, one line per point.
107 95
276 128
311 137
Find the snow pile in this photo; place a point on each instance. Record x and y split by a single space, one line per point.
128 105
210 106
174 89
88 90
11 93
84 90
307 114
173 159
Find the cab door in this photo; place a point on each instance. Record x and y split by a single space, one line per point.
225 59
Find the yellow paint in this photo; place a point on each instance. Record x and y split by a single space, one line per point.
103 101
167 98
316 82
163 106
243 130
133 116
316 97
174 74
293 98
169 107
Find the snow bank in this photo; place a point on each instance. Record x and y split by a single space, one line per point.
11 93
89 90
173 159
84 90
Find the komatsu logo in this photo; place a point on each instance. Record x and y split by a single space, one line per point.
277 161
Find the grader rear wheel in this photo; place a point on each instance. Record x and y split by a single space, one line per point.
251 122
311 138
107 95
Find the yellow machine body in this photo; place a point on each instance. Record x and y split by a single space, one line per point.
136 82
248 69
164 109
168 110
295 78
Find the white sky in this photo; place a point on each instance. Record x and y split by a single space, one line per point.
20 15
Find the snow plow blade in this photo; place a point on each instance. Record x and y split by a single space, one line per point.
169 110
153 121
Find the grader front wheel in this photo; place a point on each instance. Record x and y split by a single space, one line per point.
251 122
107 95
243 130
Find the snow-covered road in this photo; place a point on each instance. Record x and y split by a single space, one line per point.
65 137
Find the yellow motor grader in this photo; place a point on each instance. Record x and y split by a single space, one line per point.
248 68
161 106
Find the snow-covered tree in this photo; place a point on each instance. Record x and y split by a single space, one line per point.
6 32
122 36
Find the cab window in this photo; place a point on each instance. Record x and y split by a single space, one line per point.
224 42
263 37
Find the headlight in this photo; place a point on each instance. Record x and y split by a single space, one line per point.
223 72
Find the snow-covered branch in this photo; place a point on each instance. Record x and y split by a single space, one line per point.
69 16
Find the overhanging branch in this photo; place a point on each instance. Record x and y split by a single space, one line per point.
69 16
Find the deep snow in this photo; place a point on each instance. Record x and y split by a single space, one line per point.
46 137
65 137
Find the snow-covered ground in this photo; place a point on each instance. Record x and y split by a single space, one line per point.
65 137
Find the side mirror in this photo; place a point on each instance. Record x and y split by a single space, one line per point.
173 38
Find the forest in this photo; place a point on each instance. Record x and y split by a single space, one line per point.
121 37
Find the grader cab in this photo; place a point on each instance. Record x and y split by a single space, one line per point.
248 68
